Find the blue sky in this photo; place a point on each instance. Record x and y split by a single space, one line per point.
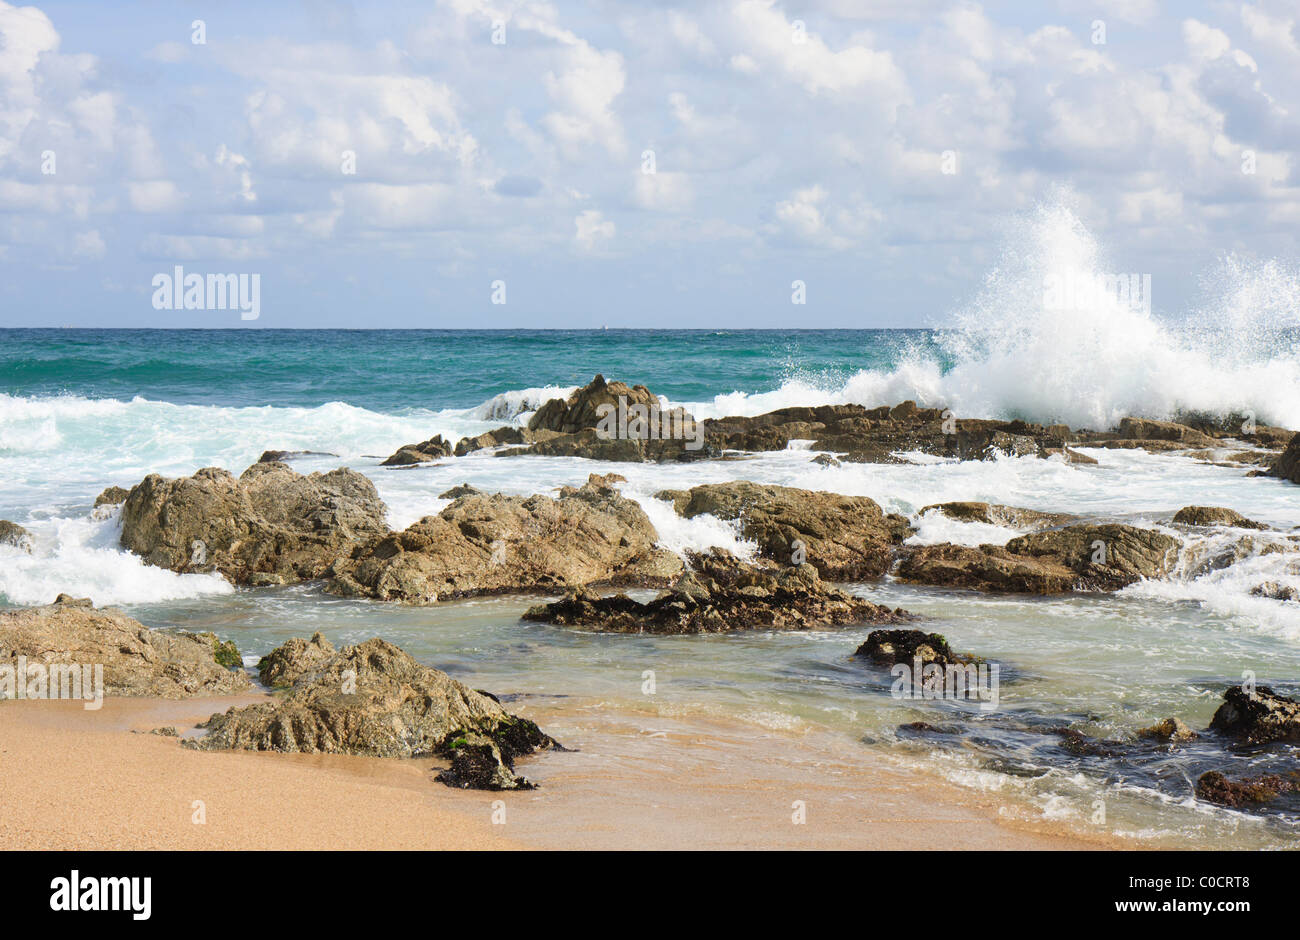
790 140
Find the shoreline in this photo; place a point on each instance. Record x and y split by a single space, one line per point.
82 780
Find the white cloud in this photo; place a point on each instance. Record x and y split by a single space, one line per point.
592 230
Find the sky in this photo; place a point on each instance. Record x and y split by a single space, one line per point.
626 164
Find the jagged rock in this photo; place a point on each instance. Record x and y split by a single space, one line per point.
67 600
995 514
1215 516
1055 561
286 664
483 544
1214 787
112 496
826 460
718 594
1259 718
890 647
374 699
1275 591
581 410
844 537
167 732
500 437
410 454
271 520
1144 429
11 533
137 661
456 492
1171 730
1288 465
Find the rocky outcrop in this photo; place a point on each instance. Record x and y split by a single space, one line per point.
1144 429
1275 591
11 533
1214 787
1288 465
719 594
994 514
1056 561
410 454
112 496
1215 516
280 456
374 699
456 492
286 664
890 647
1257 718
845 538
491 544
583 408
137 661
988 568
269 526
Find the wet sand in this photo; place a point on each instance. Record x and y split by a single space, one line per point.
77 779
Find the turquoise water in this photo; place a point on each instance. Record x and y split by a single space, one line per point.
395 371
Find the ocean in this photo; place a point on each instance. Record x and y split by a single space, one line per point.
81 410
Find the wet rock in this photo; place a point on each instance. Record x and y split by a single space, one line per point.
1288 465
1082 745
1105 557
890 647
112 496
1171 729
168 732
1215 516
492 544
137 661
374 699
67 600
845 538
1144 429
1275 591
11 533
1071 456
1259 718
995 514
1214 787
411 454
826 460
987 568
270 520
456 492
720 593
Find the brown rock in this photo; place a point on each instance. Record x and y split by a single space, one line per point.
996 514
112 496
1259 718
411 454
1214 516
1171 730
11 533
137 661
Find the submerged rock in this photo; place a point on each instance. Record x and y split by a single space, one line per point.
279 456
720 593
1214 787
845 538
1275 591
1171 729
492 544
374 699
1259 718
270 521
989 568
137 661
1215 516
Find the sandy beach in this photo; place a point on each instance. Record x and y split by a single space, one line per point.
77 779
